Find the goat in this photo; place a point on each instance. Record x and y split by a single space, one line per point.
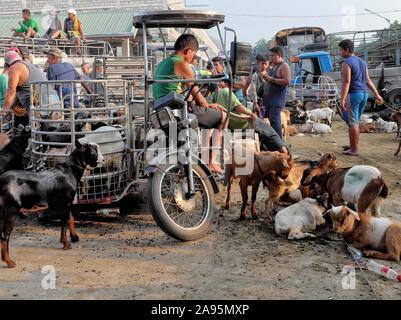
267 163
300 219
399 150
327 163
379 238
361 186
278 187
386 127
285 122
319 115
54 189
396 117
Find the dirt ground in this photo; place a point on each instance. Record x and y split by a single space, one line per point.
133 259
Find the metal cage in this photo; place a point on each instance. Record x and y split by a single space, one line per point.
55 127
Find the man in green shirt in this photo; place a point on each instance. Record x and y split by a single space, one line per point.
3 84
28 26
241 119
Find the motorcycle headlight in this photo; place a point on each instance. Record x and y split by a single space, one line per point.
162 118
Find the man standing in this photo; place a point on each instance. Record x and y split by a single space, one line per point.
278 79
28 27
59 70
18 95
263 65
73 29
354 94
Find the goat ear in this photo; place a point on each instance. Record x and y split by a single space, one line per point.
78 145
355 214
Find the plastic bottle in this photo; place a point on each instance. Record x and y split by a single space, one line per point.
356 253
384 271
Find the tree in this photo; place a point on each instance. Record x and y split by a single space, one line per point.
261 47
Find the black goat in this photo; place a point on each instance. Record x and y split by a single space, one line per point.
54 189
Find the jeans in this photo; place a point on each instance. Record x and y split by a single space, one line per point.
274 116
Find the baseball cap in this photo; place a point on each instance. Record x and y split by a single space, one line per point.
14 49
11 57
54 52
73 11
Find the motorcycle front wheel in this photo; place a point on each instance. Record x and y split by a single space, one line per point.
181 218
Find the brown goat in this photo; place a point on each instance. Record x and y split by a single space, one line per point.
381 236
327 163
362 186
266 164
396 117
368 128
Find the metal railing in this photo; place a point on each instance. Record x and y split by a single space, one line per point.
36 46
376 47
56 125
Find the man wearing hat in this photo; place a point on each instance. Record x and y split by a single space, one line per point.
73 29
18 95
59 70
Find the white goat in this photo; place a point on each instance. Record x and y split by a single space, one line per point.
300 219
319 115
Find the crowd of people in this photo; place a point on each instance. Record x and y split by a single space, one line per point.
211 107
72 29
19 71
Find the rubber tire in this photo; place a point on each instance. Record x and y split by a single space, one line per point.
162 219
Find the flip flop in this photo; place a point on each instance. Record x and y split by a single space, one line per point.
346 148
349 153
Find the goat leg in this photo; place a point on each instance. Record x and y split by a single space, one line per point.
73 235
8 226
255 189
63 236
244 194
389 256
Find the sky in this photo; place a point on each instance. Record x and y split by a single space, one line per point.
257 22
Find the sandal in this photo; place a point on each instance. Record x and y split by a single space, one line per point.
350 153
346 148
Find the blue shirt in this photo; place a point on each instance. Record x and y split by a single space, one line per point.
64 71
358 74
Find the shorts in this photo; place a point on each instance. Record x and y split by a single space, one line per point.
356 104
208 118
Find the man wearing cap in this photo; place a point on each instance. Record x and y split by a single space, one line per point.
73 29
97 74
18 95
28 26
59 70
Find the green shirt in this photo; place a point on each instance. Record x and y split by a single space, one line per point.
3 88
237 120
26 25
166 71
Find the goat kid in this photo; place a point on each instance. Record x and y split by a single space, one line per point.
298 220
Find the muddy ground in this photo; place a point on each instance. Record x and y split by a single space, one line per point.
133 259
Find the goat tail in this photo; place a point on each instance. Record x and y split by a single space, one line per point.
384 192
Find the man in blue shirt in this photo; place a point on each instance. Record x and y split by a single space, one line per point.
354 94
59 70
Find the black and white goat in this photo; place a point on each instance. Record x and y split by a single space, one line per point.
54 189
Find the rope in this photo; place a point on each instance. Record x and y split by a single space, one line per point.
363 273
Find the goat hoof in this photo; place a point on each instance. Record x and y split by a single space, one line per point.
67 246
11 264
74 238
255 217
